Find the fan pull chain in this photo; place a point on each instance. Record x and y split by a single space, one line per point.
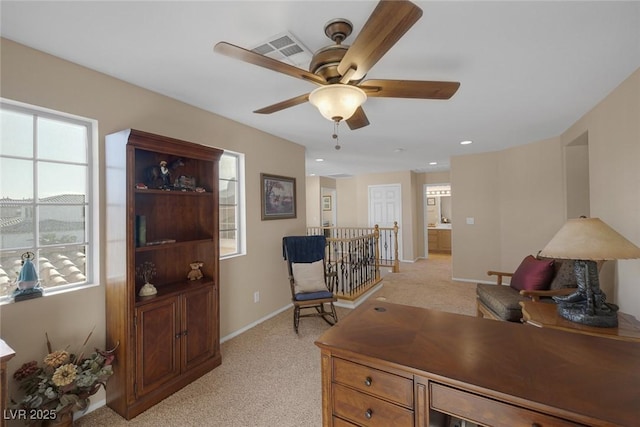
335 134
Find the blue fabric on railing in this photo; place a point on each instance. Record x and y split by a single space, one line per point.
303 248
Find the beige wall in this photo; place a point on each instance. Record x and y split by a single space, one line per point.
576 162
518 199
313 201
613 128
476 248
515 198
40 79
531 199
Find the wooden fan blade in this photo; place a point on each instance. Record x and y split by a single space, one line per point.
358 120
409 89
284 104
386 25
245 55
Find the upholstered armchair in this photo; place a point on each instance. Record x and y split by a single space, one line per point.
535 279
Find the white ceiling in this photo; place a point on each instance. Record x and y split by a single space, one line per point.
528 70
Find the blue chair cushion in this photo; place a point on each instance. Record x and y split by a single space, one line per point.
313 295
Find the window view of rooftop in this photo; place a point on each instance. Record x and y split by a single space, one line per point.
44 198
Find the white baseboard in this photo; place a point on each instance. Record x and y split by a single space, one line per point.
256 323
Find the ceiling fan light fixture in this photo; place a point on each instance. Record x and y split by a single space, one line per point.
337 101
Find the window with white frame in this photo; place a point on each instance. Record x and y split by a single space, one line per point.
48 197
232 214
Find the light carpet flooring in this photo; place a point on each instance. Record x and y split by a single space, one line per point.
271 377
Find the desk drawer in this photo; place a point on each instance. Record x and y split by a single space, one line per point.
486 411
339 422
369 411
379 383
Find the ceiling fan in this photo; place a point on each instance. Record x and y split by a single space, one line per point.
338 69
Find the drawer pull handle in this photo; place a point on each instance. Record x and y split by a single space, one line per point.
368 414
368 381
535 425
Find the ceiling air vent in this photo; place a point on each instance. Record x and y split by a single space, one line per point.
285 48
340 175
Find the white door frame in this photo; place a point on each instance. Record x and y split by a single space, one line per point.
397 208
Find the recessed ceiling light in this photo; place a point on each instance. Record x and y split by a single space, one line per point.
466 142
319 160
433 163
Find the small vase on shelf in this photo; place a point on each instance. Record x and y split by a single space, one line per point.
147 290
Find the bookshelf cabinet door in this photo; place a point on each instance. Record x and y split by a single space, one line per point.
158 344
198 340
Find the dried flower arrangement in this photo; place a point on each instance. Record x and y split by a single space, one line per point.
146 271
65 381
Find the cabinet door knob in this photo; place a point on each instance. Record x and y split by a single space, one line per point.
368 381
368 414
178 335
185 333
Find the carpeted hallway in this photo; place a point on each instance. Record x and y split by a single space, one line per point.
271 377
427 283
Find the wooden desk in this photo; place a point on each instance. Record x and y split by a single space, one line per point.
388 364
6 353
546 315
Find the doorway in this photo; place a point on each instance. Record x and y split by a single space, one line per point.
385 207
437 218
576 157
328 207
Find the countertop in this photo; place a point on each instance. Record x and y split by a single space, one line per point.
440 227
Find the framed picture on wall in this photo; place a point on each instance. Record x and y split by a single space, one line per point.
278 195
326 203
431 201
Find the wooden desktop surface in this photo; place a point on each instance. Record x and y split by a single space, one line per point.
546 315
544 367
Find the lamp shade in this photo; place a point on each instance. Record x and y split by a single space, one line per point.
589 239
337 101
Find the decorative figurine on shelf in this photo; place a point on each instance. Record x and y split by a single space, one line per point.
146 271
162 172
195 273
28 282
165 174
185 183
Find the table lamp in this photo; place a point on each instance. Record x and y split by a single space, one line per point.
586 241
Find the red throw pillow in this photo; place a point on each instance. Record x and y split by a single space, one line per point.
533 274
